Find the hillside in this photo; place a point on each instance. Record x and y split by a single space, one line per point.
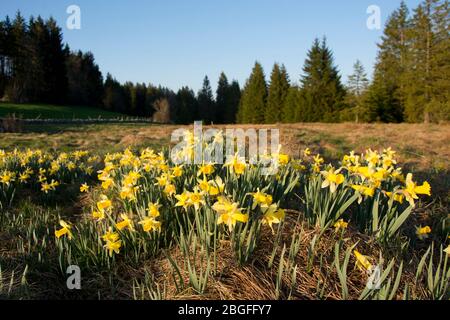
47 111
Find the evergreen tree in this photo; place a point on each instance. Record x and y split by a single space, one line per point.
186 106
426 79
321 84
206 105
291 106
356 87
278 90
357 81
221 99
385 99
233 99
252 107
85 81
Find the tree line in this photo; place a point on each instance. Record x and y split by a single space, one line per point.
411 79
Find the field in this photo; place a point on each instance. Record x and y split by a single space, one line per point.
141 227
46 111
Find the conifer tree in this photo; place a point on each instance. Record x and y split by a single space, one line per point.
233 98
278 90
291 106
321 84
221 99
385 98
254 96
206 102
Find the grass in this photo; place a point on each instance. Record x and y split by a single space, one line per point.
48 111
422 149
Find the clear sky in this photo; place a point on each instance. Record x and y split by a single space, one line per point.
178 42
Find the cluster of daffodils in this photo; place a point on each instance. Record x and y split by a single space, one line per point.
42 171
369 172
148 192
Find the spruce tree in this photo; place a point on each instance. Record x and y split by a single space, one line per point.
385 99
206 102
233 98
278 90
253 103
291 107
221 99
357 85
321 84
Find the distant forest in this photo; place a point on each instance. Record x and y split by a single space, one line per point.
411 79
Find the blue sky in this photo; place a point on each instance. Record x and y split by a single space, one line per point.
176 42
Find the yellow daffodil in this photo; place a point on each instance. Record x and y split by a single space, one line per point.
340 225
125 223
261 198
236 165
104 203
113 246
183 200
362 261
65 230
367 191
271 215
7 177
177 171
216 186
332 179
84 188
412 189
397 196
307 152
196 199
423 232
150 224
153 209
110 236
107 183
170 189
229 212
205 169
98 215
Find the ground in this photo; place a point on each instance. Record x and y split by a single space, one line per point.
422 149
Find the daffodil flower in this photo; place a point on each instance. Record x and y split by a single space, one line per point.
104 203
340 225
229 212
113 246
205 169
236 165
182 200
362 261
125 223
271 215
65 230
149 224
332 179
196 199
423 232
412 189
261 198
84 188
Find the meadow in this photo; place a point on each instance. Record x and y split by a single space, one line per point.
49 111
356 211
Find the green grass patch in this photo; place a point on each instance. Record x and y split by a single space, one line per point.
48 111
